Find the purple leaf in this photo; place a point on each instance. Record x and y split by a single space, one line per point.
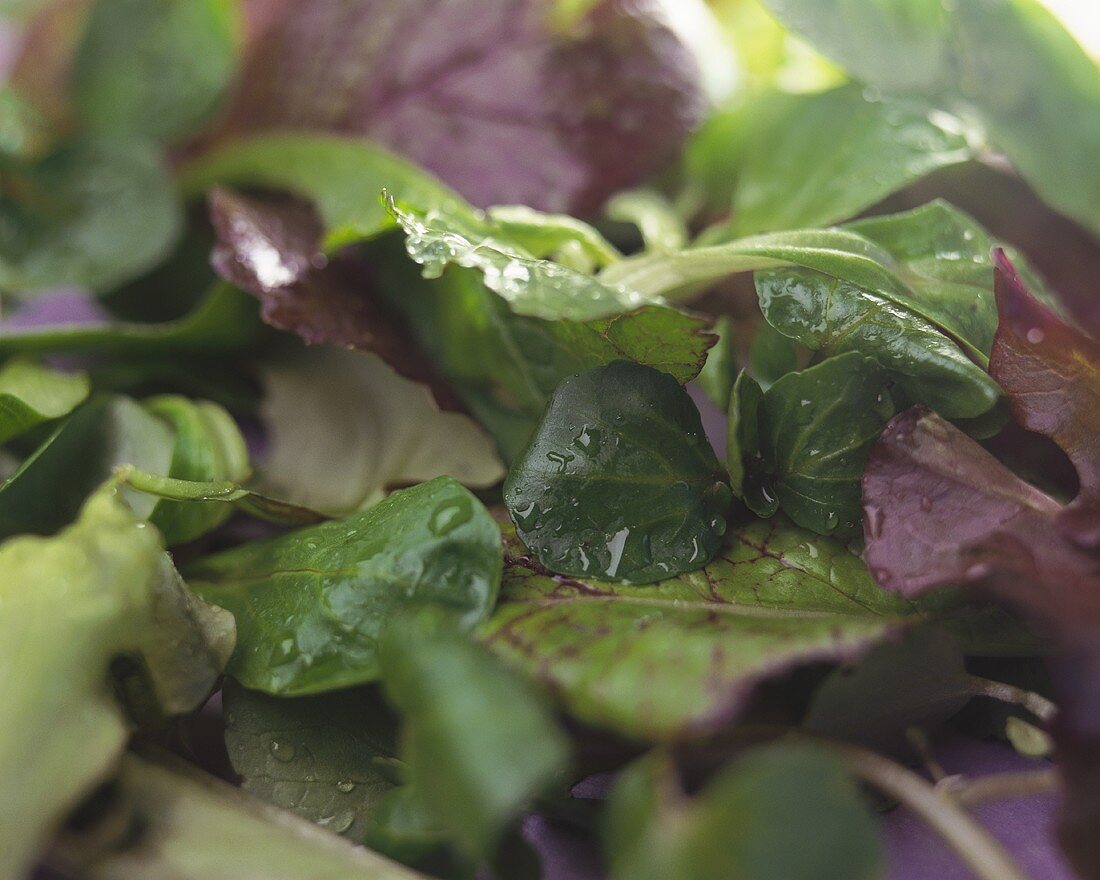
489 94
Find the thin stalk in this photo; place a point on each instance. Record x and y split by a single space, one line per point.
970 841
1004 786
1036 704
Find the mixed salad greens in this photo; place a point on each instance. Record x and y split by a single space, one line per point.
378 417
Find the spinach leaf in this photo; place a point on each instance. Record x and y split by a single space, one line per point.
73 603
682 657
31 394
478 740
1009 66
815 431
771 355
381 430
208 446
743 459
47 490
153 69
197 827
720 371
92 213
619 479
834 316
329 758
505 365
788 811
814 159
225 320
311 604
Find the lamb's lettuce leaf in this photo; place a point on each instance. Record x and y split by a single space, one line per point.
31 394
101 589
311 604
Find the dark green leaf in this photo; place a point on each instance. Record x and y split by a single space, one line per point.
788 811
743 458
72 604
478 740
225 320
1009 66
329 759
402 829
620 479
31 395
815 159
816 429
93 213
833 316
48 489
208 447
153 69
681 657
310 605
918 682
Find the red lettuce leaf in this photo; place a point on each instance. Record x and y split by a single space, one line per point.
488 94
270 246
940 509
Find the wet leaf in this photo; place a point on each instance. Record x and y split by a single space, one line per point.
311 604
682 656
619 479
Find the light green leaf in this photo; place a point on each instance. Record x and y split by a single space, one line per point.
771 355
719 372
31 395
72 604
208 447
342 176
681 657
743 459
153 69
51 485
196 827
381 430
789 811
551 235
311 604
93 213
1007 65
225 320
816 428
619 479
330 758
661 227
811 160
479 742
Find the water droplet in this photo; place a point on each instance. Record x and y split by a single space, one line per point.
1035 335
876 519
282 752
341 822
926 504
449 515
345 785
588 440
615 547
561 459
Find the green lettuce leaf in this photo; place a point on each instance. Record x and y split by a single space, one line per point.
31 394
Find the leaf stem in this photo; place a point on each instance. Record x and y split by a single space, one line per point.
1003 786
1036 704
970 841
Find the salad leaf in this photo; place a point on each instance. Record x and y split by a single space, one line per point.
1009 66
311 604
225 320
682 657
786 811
815 159
92 213
660 226
478 740
73 603
383 431
619 479
490 96
48 489
208 446
196 827
720 371
31 394
153 69
815 430
329 758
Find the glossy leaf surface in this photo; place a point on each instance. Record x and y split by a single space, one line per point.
31 394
